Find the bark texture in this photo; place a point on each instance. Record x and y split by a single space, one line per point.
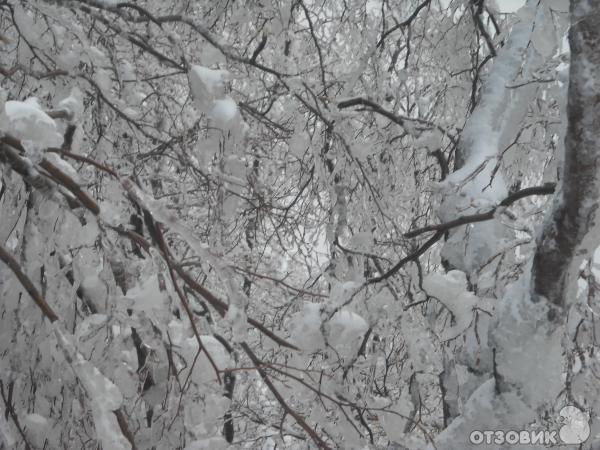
569 232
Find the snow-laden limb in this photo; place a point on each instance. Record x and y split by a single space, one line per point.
105 397
28 121
528 337
476 183
236 297
480 139
263 205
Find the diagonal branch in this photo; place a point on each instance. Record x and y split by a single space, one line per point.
546 189
13 265
412 257
404 23
400 120
297 417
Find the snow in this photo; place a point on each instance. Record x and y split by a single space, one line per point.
485 410
208 89
469 248
6 437
490 128
95 291
37 428
68 59
544 36
28 121
224 110
73 104
362 241
182 337
104 395
530 347
394 422
160 213
346 327
430 140
481 135
103 80
207 85
583 7
299 142
89 325
412 338
213 443
63 165
378 305
126 71
451 290
204 418
344 330
101 390
146 296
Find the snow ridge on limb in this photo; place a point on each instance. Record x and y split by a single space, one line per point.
477 182
483 131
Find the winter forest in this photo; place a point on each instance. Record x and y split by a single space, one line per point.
299 224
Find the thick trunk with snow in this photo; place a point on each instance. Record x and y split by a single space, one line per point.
569 233
532 375
233 213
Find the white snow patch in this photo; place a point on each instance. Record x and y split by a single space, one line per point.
451 290
344 330
183 337
147 295
207 85
213 443
28 121
36 427
73 104
224 110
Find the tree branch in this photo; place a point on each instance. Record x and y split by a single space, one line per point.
13 265
546 189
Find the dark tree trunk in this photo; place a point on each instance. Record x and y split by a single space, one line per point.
562 242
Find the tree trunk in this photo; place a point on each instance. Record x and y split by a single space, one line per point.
567 235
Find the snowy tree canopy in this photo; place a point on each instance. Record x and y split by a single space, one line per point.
294 224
